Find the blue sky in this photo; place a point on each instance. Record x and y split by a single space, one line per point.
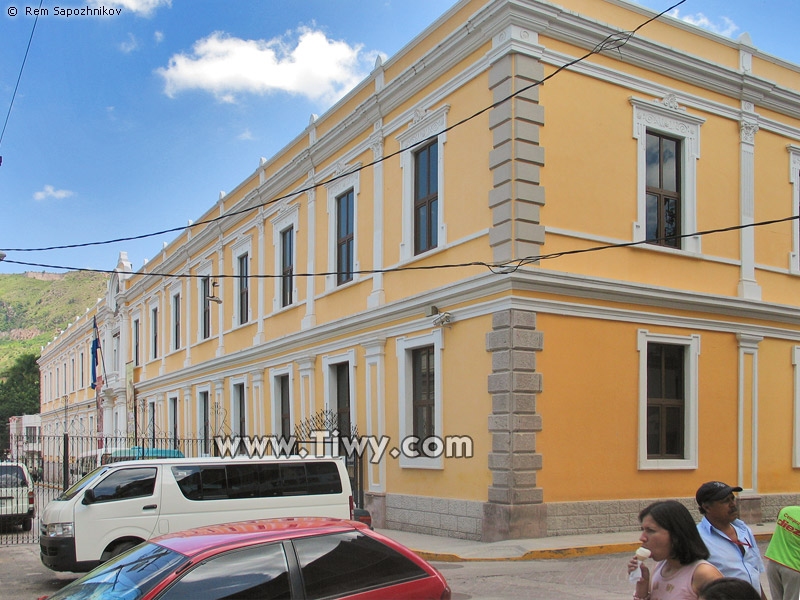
134 123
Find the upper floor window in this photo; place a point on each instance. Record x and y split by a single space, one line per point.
426 198
176 321
243 289
115 352
154 332
287 266
663 190
423 195
667 150
285 233
205 307
344 237
80 370
794 179
136 342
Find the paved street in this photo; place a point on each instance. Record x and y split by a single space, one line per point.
599 577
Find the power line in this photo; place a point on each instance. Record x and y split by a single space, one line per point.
499 268
613 41
19 77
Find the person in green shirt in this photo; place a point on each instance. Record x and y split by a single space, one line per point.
783 568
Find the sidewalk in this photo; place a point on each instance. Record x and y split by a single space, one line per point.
443 549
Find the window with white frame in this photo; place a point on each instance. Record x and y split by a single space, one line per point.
172 420
80 369
151 422
241 252
794 179
136 342
667 150
205 308
423 198
339 390
281 383
243 288
115 352
154 332
176 320
284 239
204 292
204 420
342 226
239 420
419 393
668 403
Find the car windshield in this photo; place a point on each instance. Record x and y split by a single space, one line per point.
82 483
12 476
127 577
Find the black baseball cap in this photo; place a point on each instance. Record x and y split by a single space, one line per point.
714 490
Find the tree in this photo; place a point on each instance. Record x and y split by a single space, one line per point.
19 392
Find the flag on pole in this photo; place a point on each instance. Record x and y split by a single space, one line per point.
97 381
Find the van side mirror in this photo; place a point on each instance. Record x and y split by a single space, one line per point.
88 497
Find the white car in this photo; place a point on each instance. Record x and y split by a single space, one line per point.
17 503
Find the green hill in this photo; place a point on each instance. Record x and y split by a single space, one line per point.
36 306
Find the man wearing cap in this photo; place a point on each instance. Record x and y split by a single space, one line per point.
732 547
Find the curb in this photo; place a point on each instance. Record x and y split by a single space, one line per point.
552 553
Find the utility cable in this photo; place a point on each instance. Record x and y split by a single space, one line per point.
19 77
504 267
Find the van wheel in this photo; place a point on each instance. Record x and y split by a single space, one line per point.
117 549
27 524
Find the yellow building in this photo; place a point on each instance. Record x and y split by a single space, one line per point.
589 380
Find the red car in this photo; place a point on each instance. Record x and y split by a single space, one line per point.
302 558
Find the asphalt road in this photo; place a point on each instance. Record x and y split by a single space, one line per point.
602 577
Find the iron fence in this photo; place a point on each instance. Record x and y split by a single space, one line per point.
56 462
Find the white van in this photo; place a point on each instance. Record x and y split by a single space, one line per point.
119 505
17 504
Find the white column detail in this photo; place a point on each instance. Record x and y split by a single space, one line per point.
310 319
378 296
260 338
748 344
748 287
375 360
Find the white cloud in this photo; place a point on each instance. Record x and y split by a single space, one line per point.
307 63
158 36
50 192
129 46
245 135
724 26
141 7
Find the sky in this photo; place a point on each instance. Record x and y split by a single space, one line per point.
132 123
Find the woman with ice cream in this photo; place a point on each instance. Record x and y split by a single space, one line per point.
681 570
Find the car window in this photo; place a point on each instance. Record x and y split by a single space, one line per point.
12 476
350 562
130 575
255 572
82 483
205 482
126 483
